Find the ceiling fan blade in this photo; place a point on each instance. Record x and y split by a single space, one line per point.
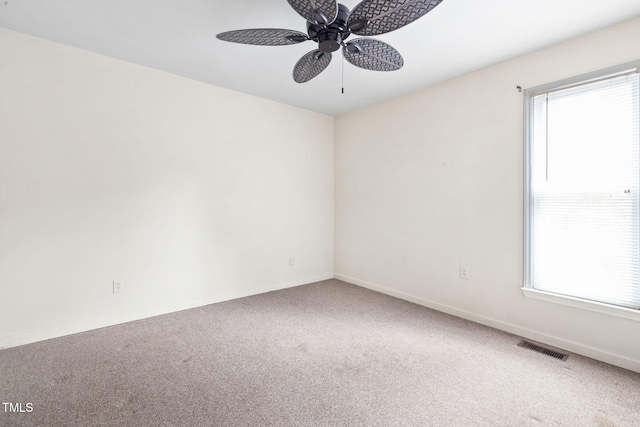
316 11
373 17
264 36
310 65
372 54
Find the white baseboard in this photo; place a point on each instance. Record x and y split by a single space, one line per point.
574 347
91 324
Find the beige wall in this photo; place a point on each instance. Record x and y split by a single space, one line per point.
432 181
185 192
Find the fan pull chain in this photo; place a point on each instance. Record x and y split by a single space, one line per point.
343 74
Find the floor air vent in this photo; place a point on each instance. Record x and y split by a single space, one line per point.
543 350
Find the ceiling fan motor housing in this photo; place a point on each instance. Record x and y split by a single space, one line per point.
330 37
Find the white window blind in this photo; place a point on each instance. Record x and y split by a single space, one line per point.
584 190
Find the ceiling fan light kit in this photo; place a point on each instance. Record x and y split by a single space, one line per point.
329 24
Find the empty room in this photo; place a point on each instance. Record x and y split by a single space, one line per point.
312 213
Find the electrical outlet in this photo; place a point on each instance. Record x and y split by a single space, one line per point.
117 287
464 273
292 261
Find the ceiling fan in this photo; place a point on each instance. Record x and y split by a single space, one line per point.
329 24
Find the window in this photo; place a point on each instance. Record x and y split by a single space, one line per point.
582 179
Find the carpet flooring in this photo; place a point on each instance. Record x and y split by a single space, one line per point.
324 354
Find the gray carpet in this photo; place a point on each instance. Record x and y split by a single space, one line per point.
323 354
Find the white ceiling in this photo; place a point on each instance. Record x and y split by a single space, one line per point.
178 36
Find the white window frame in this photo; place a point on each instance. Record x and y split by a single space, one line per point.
527 289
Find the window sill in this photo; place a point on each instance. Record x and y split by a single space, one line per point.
612 310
